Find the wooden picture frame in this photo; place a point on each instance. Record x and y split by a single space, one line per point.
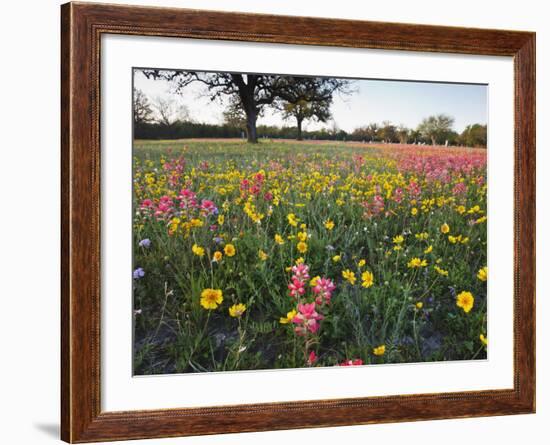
82 26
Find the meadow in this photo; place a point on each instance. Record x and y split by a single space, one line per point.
293 254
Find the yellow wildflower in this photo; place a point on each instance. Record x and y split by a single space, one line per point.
329 224
229 250
417 263
465 300
414 211
197 250
367 279
279 240
289 316
380 350
221 219
361 263
349 276
314 280
445 228
441 271
302 236
237 310
211 298
398 239
419 305
428 249
482 274
336 258
262 255
217 256
483 339
292 220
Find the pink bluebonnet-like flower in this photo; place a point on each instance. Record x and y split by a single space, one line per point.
307 319
323 290
188 199
208 207
312 358
300 272
354 362
296 287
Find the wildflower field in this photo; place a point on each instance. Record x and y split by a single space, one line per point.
294 254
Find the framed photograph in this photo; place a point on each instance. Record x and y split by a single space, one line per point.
275 222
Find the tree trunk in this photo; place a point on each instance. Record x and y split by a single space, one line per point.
433 140
251 118
299 127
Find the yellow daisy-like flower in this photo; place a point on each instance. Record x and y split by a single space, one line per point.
279 240
329 224
367 279
313 281
461 209
483 339
465 300
302 236
422 236
262 255
211 298
197 250
482 274
428 249
237 310
380 350
229 250
302 247
195 222
221 219
349 276
417 263
361 263
453 239
289 316
445 228
441 271
299 261
398 239
419 305
217 256
414 211
292 219
336 258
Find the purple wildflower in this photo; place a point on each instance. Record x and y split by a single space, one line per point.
139 273
145 243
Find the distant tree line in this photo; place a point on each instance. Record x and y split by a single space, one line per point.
298 99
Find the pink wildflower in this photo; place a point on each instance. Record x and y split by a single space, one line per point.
323 289
354 362
296 288
307 319
300 272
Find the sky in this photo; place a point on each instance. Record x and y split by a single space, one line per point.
400 102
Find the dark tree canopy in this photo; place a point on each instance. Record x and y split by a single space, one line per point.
474 136
436 128
309 98
252 92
